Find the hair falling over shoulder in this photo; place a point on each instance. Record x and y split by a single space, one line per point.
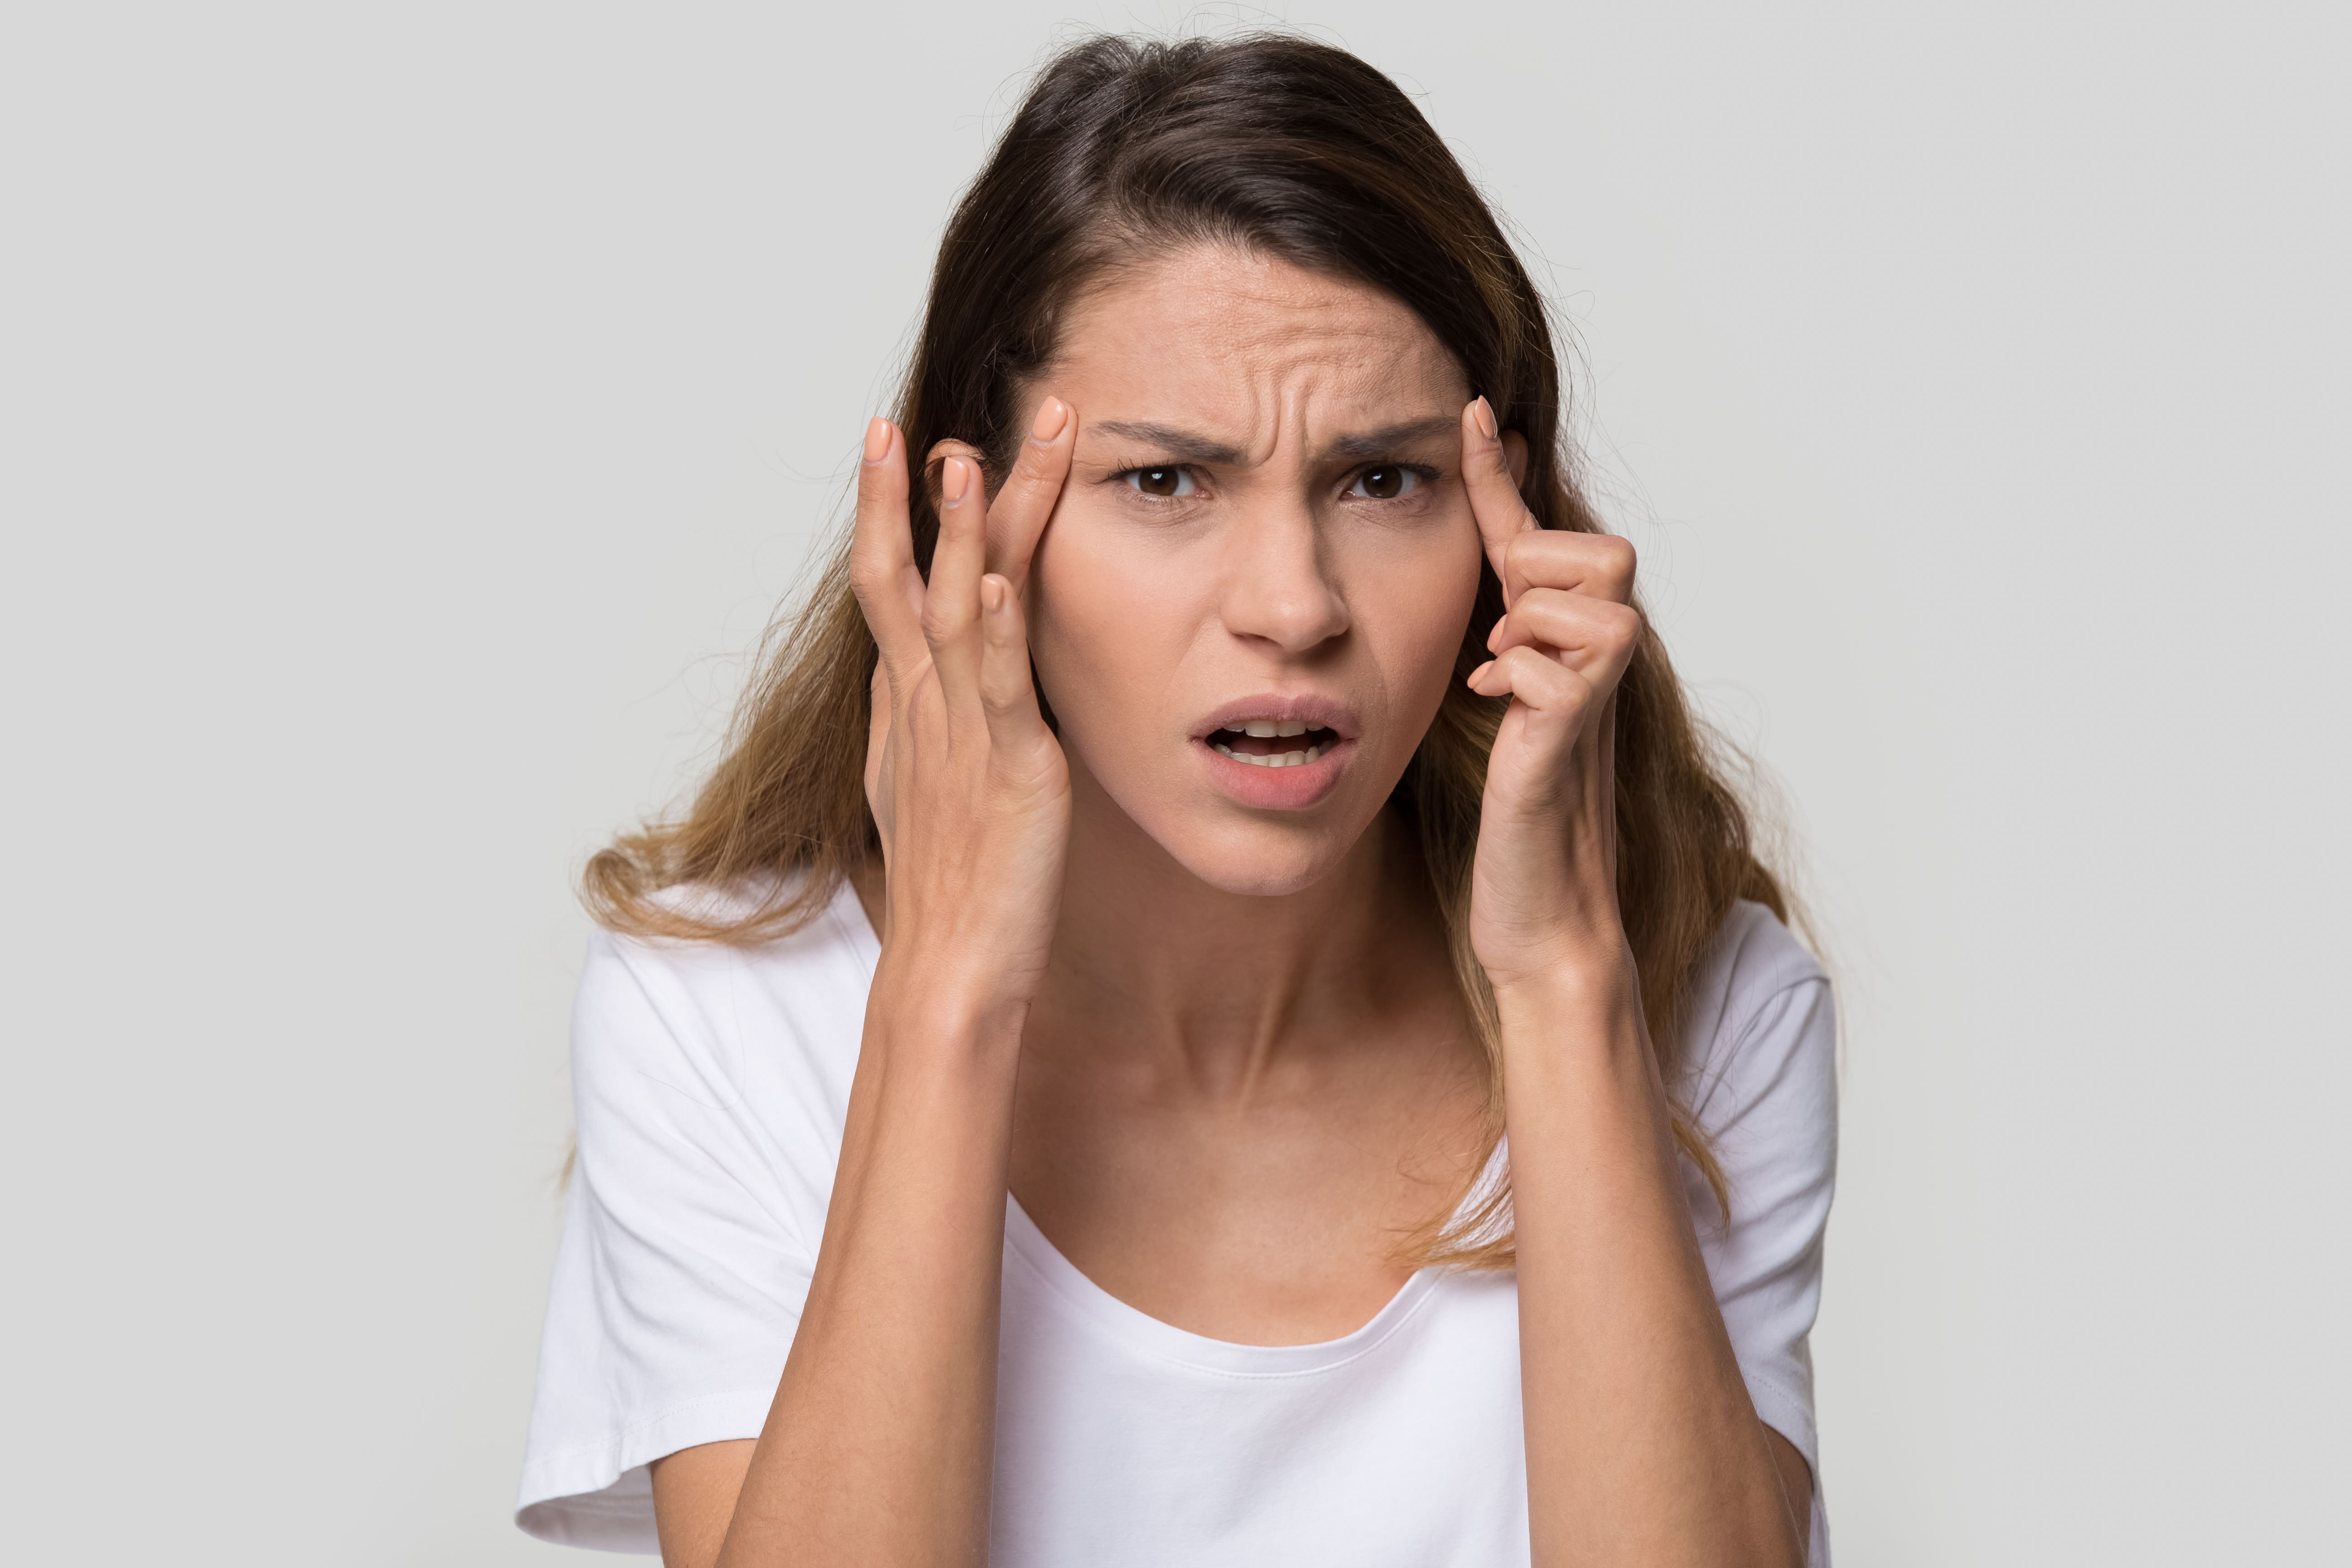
1302 152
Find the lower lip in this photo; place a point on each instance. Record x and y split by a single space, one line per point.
1293 788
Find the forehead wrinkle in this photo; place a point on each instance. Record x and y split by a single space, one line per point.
1255 358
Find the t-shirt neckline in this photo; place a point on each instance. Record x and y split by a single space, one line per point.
1142 1334
1132 1327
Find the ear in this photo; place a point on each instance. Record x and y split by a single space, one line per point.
939 453
1514 452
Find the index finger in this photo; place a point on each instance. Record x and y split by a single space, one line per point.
1024 503
1494 497
882 550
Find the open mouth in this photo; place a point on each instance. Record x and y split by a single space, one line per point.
1273 742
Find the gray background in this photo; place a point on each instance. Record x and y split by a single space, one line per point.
410 415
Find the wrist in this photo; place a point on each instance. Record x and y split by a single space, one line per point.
1575 986
1569 980
1574 948
934 1009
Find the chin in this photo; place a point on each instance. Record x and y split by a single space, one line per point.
1225 844
1257 860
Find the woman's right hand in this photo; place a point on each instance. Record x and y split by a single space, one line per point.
967 786
877 1445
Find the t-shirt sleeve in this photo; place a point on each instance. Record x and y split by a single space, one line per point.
1764 1088
686 1249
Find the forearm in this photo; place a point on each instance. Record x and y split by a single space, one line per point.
1643 1445
877 1448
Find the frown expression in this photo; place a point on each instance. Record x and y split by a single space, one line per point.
1264 530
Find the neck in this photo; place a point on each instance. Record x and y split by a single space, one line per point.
1216 990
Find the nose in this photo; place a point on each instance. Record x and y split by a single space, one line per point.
1279 586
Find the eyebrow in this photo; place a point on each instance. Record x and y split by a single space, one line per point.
1182 443
1191 447
1381 443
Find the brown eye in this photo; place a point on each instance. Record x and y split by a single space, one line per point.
1383 484
1166 482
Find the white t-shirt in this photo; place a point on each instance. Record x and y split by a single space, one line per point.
712 1084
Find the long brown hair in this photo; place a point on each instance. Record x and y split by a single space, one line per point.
1299 150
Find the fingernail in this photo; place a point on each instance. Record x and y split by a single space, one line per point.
1052 414
992 593
1484 412
1479 674
877 438
955 481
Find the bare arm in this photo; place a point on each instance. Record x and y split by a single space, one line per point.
1643 1445
877 1449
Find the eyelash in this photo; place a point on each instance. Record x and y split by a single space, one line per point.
1420 476
1132 477
1132 480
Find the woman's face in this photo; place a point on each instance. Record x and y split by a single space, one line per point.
1248 603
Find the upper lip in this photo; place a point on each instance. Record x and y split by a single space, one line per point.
1320 712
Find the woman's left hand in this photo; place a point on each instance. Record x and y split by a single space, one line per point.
1543 900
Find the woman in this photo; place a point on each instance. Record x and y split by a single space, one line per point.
1215 1011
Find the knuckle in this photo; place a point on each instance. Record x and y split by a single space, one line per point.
1617 577
1545 615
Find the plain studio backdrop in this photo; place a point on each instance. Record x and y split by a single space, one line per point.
410 416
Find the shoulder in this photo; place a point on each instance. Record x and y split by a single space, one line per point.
1755 954
1761 1081
1760 1018
706 1018
710 1083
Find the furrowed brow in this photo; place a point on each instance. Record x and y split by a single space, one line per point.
1182 444
1384 443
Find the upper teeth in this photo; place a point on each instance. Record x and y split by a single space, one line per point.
1264 729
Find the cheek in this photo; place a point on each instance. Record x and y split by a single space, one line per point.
1101 631
1411 607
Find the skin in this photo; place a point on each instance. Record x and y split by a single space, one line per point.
1208 1037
